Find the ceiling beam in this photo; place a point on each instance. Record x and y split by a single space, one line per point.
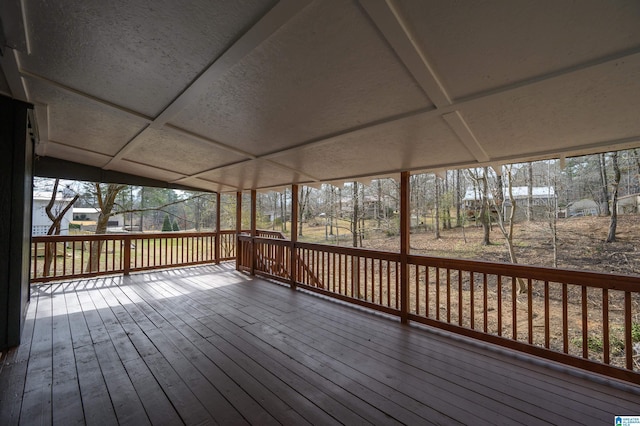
281 13
273 20
396 30
466 136
85 95
453 108
10 64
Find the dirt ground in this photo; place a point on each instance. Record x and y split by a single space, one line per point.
580 244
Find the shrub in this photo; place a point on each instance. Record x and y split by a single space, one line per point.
175 226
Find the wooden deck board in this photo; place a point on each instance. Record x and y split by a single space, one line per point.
208 345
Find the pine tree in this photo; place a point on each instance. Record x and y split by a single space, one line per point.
176 227
166 224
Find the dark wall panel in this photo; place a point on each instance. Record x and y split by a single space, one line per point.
16 167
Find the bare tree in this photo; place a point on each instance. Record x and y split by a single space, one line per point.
485 211
458 199
355 218
530 191
604 184
106 198
436 224
614 199
56 212
303 205
507 228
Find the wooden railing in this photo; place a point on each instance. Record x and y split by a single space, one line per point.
583 319
75 256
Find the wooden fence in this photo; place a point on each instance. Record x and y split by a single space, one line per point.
583 319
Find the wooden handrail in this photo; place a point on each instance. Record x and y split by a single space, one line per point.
548 312
56 257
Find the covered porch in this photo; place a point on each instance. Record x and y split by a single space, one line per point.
208 344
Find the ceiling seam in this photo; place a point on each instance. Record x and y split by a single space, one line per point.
393 26
274 19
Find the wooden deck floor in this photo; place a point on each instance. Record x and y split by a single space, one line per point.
208 345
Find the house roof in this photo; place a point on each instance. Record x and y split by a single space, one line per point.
46 196
85 210
227 95
517 191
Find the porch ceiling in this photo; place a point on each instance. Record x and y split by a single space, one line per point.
227 94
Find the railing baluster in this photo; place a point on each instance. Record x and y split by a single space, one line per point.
585 330
426 291
437 293
605 325
546 315
514 309
416 268
530 309
448 295
485 289
388 283
460 310
565 320
472 302
499 301
628 342
397 289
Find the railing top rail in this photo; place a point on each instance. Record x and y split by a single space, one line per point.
271 234
541 273
123 235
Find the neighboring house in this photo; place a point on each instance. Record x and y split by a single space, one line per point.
87 217
628 204
40 221
543 200
369 205
584 207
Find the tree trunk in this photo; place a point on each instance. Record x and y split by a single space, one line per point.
485 211
436 224
614 200
448 200
303 204
354 219
106 201
458 199
530 192
379 203
55 227
604 184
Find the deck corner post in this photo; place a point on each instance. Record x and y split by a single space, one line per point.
293 264
253 246
239 256
216 242
405 229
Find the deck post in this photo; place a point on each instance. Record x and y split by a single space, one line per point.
405 228
239 256
216 248
293 264
253 246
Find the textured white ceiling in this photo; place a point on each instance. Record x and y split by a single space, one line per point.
228 95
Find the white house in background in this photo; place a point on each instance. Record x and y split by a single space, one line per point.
88 216
40 222
628 204
543 200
